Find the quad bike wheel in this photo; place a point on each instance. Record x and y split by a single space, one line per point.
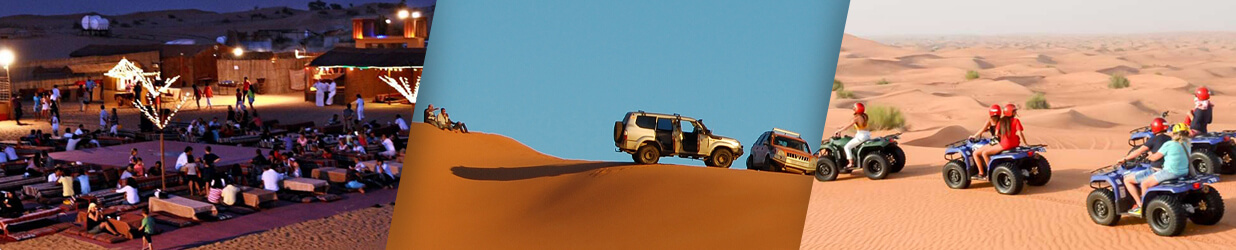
896 157
955 175
1007 180
646 154
826 170
1208 206
1040 171
1202 161
1165 215
1101 203
1228 158
876 166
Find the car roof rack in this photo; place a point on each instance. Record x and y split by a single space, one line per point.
786 132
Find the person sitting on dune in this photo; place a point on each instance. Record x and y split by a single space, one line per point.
861 134
430 115
1175 166
1008 128
1199 117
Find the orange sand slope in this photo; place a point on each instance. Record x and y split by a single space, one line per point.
485 191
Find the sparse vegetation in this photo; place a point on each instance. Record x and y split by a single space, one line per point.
885 118
845 94
317 5
335 6
971 75
1117 81
837 85
882 81
170 16
1037 101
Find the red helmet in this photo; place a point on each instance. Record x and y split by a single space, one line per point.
1158 125
1009 109
994 110
1202 93
859 108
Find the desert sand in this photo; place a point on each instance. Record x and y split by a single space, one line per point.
486 191
360 229
1086 127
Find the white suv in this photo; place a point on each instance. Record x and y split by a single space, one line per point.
650 136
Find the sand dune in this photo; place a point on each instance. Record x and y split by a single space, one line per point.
996 88
936 137
485 191
1066 118
865 66
867 48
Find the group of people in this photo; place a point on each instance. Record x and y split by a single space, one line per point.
326 89
439 118
1168 149
97 222
246 92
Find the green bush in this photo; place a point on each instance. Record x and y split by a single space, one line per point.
845 94
882 81
837 85
971 75
1037 101
1118 81
885 118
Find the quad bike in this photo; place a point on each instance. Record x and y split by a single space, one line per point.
1008 171
1165 206
878 157
1213 152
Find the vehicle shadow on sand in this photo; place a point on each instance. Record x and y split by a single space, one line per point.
907 172
521 173
1062 180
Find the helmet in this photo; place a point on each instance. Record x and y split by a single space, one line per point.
1158 125
1202 93
1180 127
859 108
1009 109
994 110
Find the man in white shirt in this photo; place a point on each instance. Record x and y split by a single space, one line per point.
403 125
270 179
184 158
55 96
360 108
79 130
126 174
130 193
330 92
72 141
320 98
53 177
389 146
102 117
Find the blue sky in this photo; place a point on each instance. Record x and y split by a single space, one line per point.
556 74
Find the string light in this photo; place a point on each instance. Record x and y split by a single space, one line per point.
408 90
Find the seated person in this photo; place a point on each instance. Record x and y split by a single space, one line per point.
96 222
11 153
356 183
11 206
229 194
389 147
130 193
1175 165
215 192
270 179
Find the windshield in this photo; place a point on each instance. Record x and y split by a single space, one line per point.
791 143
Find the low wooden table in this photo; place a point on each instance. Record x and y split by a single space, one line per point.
331 174
305 184
254 197
182 207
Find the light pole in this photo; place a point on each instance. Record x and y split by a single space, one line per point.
7 57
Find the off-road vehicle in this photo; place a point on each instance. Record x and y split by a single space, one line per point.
877 157
1009 171
1165 206
780 150
650 136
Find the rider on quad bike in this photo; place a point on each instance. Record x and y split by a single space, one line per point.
1007 127
1152 144
1199 117
861 134
1175 165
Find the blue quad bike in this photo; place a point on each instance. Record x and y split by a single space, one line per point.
1213 153
1165 206
1009 171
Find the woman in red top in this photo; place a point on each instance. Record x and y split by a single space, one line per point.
1008 128
208 93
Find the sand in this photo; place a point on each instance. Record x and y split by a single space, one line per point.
1086 127
360 229
486 191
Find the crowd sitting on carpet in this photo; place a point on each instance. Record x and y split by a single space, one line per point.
439 117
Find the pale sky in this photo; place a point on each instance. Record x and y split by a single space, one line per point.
1002 17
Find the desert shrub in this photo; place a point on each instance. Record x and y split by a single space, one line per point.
845 94
885 118
837 85
171 16
1037 101
882 81
1117 81
971 75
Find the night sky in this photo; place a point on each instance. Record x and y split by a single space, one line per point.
118 7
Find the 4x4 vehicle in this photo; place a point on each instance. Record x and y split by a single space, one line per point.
650 136
780 150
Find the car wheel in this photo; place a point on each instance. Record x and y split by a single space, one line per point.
1208 206
1202 161
1006 180
1165 215
826 170
876 166
955 175
1040 171
896 158
722 158
750 163
1101 203
647 154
